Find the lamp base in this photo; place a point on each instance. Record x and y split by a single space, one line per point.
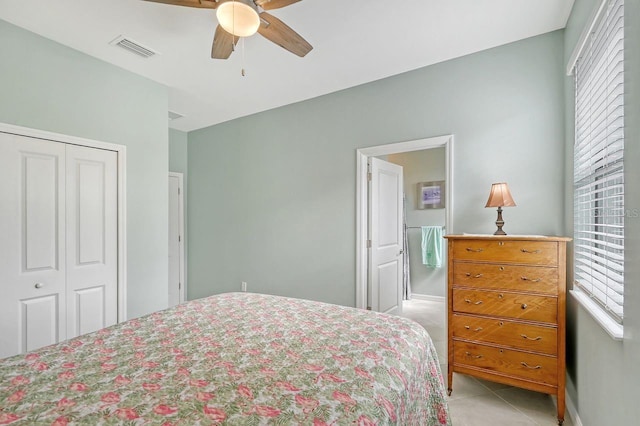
499 223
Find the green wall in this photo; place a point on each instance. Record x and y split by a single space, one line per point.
604 374
45 85
272 196
422 166
178 154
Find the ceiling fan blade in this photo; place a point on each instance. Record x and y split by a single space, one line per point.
274 4
204 4
278 32
223 43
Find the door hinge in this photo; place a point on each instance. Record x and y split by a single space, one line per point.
179 286
368 308
179 238
369 176
368 243
178 191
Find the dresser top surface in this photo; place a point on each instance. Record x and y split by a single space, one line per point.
506 237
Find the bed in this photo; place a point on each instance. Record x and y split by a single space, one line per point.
233 358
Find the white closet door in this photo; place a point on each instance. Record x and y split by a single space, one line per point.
175 241
32 244
91 231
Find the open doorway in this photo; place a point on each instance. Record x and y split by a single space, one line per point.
424 207
430 283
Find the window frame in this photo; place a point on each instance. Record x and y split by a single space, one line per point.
609 320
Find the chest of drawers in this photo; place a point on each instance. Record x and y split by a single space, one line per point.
506 311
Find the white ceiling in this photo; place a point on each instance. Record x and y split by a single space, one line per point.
355 42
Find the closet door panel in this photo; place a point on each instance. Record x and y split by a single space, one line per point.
40 211
90 309
39 322
32 251
92 224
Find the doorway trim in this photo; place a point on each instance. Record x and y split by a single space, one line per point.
121 152
362 205
181 226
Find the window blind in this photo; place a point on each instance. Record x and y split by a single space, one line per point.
598 162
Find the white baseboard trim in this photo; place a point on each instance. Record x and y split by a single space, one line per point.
571 408
427 297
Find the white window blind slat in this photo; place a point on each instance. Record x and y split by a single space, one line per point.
617 279
599 162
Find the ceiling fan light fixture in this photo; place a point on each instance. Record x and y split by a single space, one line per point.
238 17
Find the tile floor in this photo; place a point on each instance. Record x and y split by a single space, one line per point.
477 402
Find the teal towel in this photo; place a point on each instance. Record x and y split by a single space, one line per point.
432 246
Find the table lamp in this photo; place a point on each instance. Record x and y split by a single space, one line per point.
500 197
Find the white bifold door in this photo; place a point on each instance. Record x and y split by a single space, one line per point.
92 237
58 252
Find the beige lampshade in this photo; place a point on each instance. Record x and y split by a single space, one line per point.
238 17
500 196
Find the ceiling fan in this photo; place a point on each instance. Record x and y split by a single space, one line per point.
243 18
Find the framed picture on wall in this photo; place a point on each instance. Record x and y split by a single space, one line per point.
431 195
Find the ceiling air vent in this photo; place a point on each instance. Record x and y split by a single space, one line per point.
174 115
133 46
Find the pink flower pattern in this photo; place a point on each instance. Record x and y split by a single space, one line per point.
164 410
60 421
216 415
230 358
110 398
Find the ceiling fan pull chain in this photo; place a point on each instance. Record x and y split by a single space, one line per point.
242 71
233 35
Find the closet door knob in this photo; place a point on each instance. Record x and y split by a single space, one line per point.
39 285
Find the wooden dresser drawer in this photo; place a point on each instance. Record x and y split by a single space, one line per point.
531 337
513 251
523 365
506 304
537 279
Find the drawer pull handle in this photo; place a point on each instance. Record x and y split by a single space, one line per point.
524 336
535 280
479 302
524 364
530 251
474 356
502 268
474 250
524 306
478 329
500 296
475 276
467 327
500 323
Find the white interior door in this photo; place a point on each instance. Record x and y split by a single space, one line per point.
32 244
91 231
385 233
176 244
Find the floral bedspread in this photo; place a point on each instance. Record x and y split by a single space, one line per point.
236 359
